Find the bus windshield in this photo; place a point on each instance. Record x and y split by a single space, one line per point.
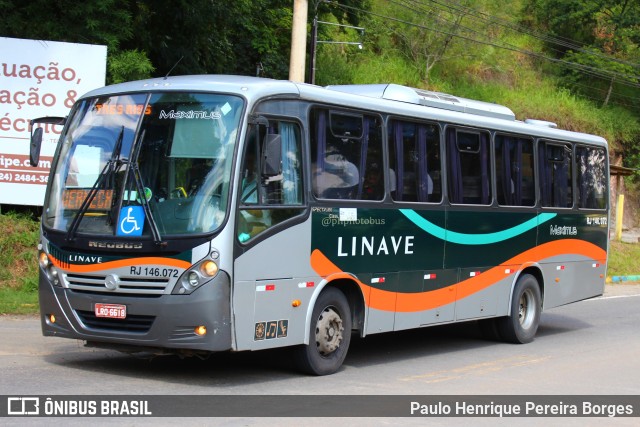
145 164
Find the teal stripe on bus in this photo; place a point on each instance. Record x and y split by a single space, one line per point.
475 239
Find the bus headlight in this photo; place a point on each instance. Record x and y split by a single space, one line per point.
196 276
193 279
48 268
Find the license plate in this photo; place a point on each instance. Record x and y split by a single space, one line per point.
112 311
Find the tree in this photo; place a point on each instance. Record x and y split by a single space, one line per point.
107 22
602 39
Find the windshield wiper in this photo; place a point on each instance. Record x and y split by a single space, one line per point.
108 171
140 188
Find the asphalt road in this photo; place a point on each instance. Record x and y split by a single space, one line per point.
590 347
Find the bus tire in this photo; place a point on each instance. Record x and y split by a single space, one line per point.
521 325
330 335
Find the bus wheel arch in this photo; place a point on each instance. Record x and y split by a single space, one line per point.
354 296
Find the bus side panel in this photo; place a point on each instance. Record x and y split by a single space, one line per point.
269 277
390 252
385 295
576 270
488 246
439 282
570 280
480 304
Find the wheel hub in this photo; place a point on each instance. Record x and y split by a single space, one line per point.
526 311
328 331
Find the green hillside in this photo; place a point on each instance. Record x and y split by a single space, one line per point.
474 52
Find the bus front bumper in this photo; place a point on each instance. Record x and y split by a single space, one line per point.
167 322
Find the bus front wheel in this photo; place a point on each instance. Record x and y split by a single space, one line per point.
522 323
330 335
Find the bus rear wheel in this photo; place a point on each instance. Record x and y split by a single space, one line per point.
330 335
521 325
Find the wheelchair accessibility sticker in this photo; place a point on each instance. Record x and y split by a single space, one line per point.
131 221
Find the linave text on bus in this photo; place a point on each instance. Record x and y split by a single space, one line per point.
380 245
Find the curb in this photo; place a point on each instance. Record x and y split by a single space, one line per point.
617 279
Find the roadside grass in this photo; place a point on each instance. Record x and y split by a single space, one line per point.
19 265
623 259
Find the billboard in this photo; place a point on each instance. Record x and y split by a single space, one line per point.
39 78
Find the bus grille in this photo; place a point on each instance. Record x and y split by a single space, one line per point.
133 323
127 285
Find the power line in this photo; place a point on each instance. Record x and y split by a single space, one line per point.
593 71
580 67
561 41
596 70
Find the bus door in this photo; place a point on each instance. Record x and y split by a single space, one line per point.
272 239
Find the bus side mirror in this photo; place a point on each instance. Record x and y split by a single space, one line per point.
36 136
34 146
271 155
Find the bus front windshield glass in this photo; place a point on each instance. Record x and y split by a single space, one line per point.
145 165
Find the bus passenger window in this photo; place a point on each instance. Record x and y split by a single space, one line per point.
592 178
269 200
556 189
469 168
346 150
514 171
414 151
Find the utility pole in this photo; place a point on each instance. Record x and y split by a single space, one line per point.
298 41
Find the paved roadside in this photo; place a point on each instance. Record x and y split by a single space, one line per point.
621 289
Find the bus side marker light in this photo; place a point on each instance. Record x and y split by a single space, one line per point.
295 303
508 271
474 274
429 276
377 280
560 267
200 330
557 280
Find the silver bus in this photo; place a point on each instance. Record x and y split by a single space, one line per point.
200 214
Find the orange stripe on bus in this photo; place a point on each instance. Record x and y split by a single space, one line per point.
384 300
327 269
87 268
